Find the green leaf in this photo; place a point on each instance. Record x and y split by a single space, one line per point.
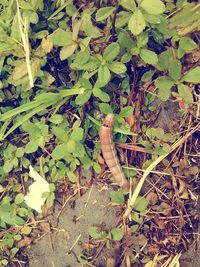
128 4
134 228
185 93
105 108
83 98
193 76
97 167
15 31
77 134
175 68
137 22
111 52
164 83
101 94
103 75
60 151
19 198
149 56
61 37
94 233
117 67
67 51
117 234
88 27
71 176
60 133
7 217
154 7
122 19
117 197
31 147
26 230
165 59
56 119
79 150
141 204
126 111
187 44
142 39
104 13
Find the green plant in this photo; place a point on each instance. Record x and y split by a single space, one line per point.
64 64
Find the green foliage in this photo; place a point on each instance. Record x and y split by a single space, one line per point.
95 233
84 59
117 234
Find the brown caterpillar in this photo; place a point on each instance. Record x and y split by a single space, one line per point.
109 152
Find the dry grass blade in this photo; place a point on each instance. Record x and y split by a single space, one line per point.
173 262
25 40
178 143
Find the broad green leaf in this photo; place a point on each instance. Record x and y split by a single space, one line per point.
60 133
61 38
79 150
175 68
105 108
104 13
103 75
68 50
85 83
154 19
180 52
71 146
9 218
164 59
56 119
77 134
126 111
142 39
94 233
185 93
122 19
154 7
193 76
15 31
101 94
164 83
147 76
128 4
71 176
88 27
117 197
19 198
111 52
141 204
82 57
60 152
117 234
31 147
187 44
149 56
83 98
97 167
117 67
137 22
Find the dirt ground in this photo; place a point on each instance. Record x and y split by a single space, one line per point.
63 245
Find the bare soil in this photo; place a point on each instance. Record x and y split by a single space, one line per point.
63 245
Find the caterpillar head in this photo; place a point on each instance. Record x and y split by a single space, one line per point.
109 121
